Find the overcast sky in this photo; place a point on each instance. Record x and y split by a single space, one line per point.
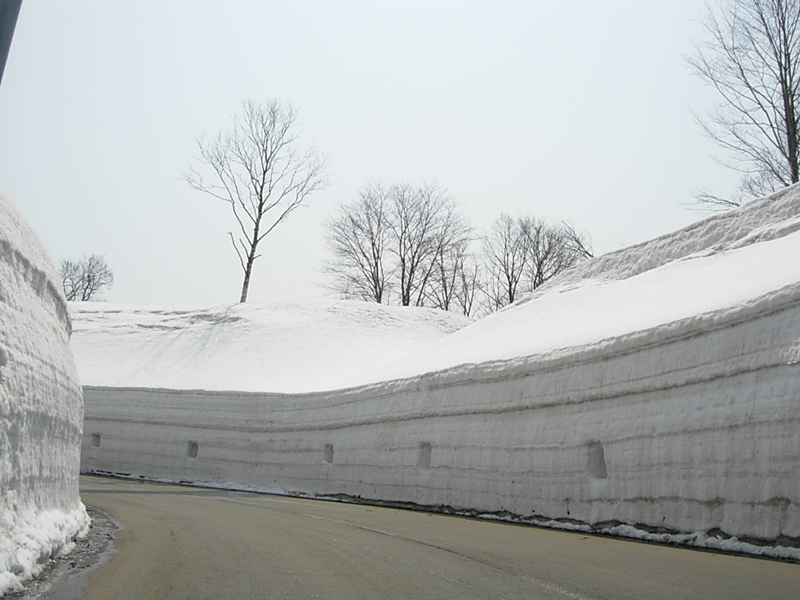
576 110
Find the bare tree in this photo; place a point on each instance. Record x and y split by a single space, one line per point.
358 237
751 59
83 279
522 253
506 255
455 281
403 241
552 249
259 170
411 245
577 244
425 226
448 287
468 285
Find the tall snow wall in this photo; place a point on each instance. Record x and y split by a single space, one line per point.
686 420
41 407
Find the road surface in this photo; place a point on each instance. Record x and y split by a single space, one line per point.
189 543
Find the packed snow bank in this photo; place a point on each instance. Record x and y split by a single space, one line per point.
655 393
41 408
676 294
286 347
771 217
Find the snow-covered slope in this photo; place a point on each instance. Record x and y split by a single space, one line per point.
655 387
41 407
286 347
578 313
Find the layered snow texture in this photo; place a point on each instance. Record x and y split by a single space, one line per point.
652 392
41 408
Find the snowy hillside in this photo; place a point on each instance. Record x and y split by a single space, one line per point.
41 408
287 347
679 293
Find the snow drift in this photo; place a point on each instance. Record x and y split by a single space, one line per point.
650 392
41 407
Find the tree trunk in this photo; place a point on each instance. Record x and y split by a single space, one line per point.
791 131
251 256
246 283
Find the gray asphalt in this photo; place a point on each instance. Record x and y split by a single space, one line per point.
189 543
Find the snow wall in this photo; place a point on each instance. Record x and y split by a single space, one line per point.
41 407
683 415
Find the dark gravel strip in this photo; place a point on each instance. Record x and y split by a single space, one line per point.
66 577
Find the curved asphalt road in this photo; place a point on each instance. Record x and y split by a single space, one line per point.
189 543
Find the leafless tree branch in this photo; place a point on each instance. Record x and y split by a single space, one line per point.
522 253
83 279
751 58
257 169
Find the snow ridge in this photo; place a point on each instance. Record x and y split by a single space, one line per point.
767 218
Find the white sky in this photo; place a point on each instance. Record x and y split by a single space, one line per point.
579 110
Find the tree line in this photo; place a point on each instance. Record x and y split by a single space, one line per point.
412 246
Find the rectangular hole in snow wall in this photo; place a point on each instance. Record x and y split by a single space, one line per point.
328 459
424 460
191 450
596 460
95 440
